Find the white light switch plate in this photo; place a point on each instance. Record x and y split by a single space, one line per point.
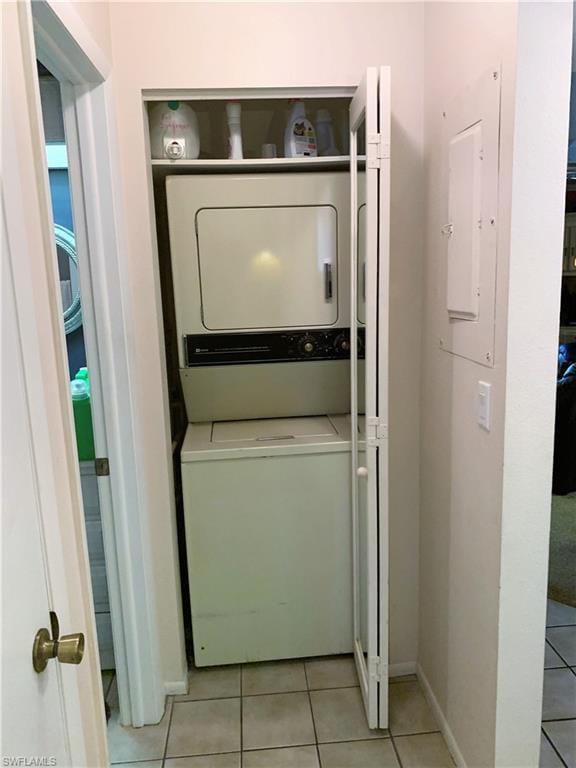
483 404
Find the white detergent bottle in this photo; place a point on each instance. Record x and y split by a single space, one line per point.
233 113
325 132
300 136
174 131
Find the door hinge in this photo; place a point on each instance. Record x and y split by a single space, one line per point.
376 430
376 150
102 466
378 669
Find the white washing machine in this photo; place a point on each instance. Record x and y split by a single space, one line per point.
268 535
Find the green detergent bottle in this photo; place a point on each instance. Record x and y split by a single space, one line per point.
80 391
82 373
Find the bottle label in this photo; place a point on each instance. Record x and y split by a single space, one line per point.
175 122
304 138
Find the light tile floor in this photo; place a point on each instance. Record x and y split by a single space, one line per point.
558 748
291 714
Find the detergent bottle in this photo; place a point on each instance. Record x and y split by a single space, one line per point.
300 136
80 391
174 133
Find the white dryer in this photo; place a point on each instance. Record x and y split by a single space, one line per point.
256 252
268 537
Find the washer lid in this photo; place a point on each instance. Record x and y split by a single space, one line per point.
268 430
258 438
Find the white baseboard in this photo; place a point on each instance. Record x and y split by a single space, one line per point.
403 668
451 742
176 688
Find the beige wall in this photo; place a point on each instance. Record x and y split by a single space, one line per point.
89 25
96 18
205 45
476 547
543 74
461 464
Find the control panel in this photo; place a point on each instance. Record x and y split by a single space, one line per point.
269 347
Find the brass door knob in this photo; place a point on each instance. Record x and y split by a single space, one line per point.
68 649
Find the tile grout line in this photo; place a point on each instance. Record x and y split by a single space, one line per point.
559 626
107 691
549 740
241 673
549 644
274 749
171 705
395 748
393 736
557 652
555 626
402 682
388 737
311 744
313 719
178 700
308 691
416 733
559 719
270 749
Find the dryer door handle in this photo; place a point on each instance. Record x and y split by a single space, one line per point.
328 282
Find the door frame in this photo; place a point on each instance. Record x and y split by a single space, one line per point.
61 42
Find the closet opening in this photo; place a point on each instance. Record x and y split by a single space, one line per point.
267 211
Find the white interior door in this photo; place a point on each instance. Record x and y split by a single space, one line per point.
370 202
55 715
33 716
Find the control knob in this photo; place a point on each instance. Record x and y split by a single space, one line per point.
308 345
342 344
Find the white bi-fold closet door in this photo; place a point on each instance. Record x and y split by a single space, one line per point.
370 225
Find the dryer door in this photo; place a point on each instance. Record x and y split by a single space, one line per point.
370 203
268 266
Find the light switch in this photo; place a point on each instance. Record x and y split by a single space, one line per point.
484 396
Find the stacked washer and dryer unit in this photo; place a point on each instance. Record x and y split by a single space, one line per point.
261 288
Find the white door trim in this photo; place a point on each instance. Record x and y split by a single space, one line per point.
87 102
69 50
